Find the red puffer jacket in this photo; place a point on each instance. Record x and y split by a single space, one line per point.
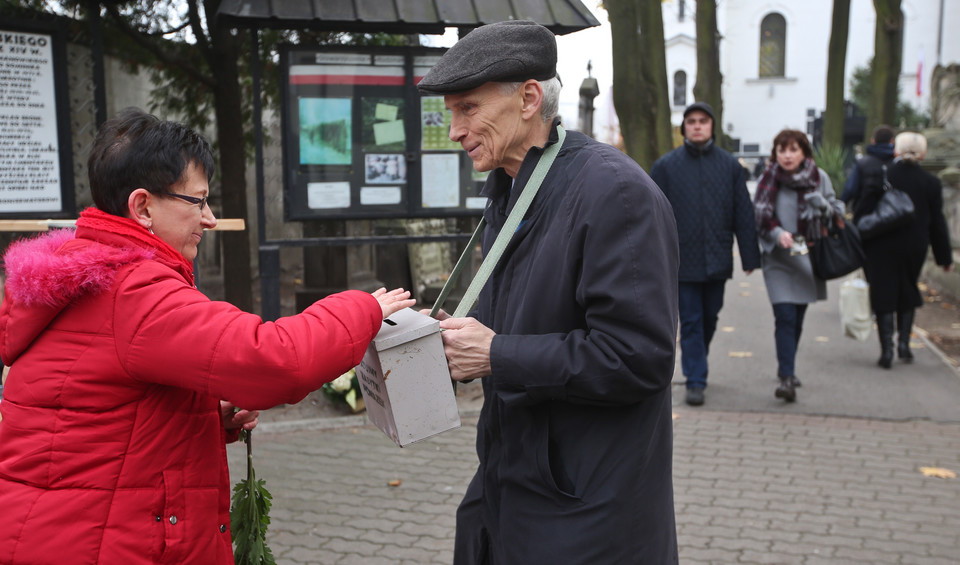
111 443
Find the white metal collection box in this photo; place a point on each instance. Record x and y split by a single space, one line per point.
405 381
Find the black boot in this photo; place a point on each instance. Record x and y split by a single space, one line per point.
885 331
786 389
904 327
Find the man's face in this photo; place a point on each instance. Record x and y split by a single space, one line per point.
698 127
489 125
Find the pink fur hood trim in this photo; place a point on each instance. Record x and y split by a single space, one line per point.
50 271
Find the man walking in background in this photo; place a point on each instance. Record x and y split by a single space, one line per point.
707 188
868 172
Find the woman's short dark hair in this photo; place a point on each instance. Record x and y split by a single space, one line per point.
786 136
138 150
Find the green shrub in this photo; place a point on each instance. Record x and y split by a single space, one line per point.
832 159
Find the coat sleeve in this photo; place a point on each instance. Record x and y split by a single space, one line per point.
625 295
659 175
851 189
745 223
168 333
939 233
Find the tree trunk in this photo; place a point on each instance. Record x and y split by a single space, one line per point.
836 69
887 62
236 244
709 78
640 78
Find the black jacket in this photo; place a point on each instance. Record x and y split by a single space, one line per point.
707 188
895 259
575 435
866 175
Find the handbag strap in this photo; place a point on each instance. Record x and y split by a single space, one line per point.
503 238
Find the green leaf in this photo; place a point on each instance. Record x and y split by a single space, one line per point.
249 517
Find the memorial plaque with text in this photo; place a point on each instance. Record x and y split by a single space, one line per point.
35 162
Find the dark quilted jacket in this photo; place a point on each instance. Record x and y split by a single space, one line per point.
708 191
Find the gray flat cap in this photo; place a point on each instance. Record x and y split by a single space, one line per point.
512 51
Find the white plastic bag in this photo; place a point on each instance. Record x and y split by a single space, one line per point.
855 315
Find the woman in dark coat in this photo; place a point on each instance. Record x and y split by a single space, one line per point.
894 259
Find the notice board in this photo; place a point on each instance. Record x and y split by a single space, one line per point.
360 142
36 163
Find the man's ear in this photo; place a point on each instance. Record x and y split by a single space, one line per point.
138 207
532 94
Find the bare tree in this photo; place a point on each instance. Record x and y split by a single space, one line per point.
640 78
836 69
709 78
887 63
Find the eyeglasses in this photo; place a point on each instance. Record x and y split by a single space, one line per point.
201 202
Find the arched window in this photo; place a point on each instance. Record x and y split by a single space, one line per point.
773 45
680 88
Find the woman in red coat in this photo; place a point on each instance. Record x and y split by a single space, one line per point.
124 377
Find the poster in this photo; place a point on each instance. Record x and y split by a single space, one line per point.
29 140
385 169
326 135
327 195
435 125
380 195
441 180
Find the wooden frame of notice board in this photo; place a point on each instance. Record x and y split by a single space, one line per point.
36 158
359 142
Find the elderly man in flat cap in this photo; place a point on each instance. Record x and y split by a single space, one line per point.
574 333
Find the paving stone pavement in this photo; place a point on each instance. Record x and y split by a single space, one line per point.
759 488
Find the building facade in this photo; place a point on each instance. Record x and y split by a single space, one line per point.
773 56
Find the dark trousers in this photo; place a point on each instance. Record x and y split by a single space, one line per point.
788 320
700 304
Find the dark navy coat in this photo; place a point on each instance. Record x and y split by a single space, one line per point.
708 190
575 436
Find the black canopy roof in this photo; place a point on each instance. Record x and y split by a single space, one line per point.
403 16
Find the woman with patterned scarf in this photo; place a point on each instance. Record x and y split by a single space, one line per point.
793 201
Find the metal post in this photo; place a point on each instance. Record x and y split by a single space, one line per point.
96 54
270 281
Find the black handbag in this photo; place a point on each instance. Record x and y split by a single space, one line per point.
894 210
838 251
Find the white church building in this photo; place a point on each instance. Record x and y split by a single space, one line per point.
773 56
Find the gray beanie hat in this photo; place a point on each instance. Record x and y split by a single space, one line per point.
512 51
703 107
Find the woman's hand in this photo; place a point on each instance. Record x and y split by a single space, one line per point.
234 418
393 301
785 240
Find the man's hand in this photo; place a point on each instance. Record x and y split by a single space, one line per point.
466 343
234 419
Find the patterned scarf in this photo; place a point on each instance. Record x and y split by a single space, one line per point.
805 180
106 228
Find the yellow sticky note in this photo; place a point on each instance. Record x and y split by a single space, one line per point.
388 132
386 112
